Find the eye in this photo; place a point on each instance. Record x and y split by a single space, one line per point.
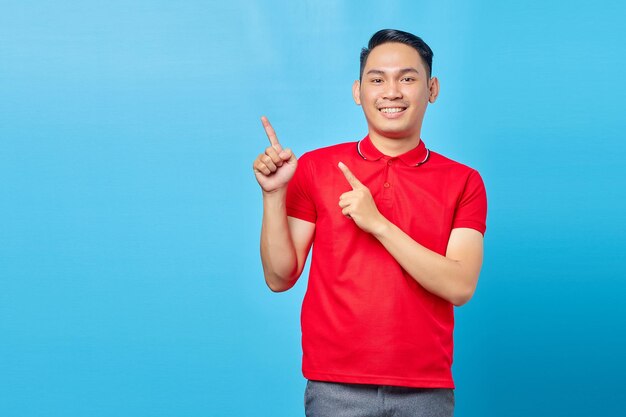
408 79
376 80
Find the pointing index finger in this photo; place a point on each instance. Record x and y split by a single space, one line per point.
354 182
271 134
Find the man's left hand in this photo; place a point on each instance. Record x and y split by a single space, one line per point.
359 204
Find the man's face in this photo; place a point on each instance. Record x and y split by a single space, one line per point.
395 91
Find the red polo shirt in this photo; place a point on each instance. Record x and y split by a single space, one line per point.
364 319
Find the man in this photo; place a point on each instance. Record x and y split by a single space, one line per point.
397 234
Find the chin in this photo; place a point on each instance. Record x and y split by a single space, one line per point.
395 133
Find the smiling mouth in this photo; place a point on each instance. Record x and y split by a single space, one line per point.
390 110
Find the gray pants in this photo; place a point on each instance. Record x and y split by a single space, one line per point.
329 399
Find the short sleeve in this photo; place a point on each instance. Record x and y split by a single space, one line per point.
471 210
300 204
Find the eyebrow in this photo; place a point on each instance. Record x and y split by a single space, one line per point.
402 71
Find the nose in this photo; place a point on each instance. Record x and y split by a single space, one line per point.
392 90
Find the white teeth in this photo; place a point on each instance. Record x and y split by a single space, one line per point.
392 110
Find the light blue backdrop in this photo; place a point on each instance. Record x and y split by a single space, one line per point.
130 283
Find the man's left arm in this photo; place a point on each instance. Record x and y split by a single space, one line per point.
452 277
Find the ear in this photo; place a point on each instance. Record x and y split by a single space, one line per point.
433 87
356 92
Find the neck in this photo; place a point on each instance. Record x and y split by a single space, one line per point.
394 146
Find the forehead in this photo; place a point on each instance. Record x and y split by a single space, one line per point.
392 56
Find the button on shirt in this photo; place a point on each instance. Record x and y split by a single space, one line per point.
364 319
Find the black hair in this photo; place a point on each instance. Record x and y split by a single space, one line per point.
398 36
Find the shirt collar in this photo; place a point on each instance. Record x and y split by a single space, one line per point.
415 157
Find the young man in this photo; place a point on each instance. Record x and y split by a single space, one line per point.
397 234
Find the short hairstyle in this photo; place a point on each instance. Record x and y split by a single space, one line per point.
398 36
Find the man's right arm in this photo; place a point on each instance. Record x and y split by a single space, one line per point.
285 241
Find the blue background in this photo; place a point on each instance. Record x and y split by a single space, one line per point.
130 281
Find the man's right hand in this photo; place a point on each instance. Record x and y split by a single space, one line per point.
275 167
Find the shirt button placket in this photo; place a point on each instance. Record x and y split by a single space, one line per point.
387 184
